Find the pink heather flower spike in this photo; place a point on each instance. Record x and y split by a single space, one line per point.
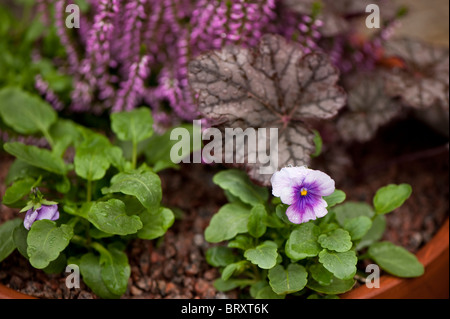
302 189
44 212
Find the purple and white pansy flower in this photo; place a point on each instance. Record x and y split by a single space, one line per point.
303 189
49 212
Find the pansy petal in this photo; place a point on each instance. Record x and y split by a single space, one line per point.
47 212
321 208
319 183
30 218
297 216
280 182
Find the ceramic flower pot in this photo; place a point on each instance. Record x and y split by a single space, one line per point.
434 284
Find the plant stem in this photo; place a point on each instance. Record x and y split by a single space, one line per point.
134 155
48 138
89 191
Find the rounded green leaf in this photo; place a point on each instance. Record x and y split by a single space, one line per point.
351 210
115 270
396 260
338 286
264 255
92 158
341 265
111 217
135 125
17 191
91 271
287 281
391 197
320 274
256 223
336 198
155 224
46 241
238 184
374 234
302 242
358 226
141 183
232 219
220 256
338 240
25 113
7 244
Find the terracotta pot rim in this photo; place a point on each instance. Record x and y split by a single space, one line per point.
435 248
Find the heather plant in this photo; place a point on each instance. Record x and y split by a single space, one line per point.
84 195
305 240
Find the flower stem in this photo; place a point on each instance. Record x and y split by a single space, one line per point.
48 137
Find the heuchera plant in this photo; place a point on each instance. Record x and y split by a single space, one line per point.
84 197
306 240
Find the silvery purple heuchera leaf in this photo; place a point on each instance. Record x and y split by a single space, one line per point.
424 79
272 86
369 108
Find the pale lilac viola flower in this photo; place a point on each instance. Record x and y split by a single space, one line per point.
44 212
303 189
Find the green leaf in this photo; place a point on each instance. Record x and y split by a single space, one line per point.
90 269
230 284
396 260
338 240
46 241
234 269
7 244
342 265
238 184
20 235
17 191
155 224
262 290
25 113
135 125
287 281
302 242
92 158
22 170
242 242
232 219
338 286
115 270
264 255
158 147
336 198
256 222
141 183
391 197
358 226
321 274
57 266
220 256
351 210
41 158
374 234
111 217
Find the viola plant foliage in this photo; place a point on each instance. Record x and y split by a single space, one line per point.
305 241
84 196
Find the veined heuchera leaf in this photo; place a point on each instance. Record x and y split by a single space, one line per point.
273 86
369 108
423 80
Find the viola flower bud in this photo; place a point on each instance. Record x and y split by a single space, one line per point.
44 212
303 189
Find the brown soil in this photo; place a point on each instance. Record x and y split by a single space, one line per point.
175 266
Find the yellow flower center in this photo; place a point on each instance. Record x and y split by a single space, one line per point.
304 192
